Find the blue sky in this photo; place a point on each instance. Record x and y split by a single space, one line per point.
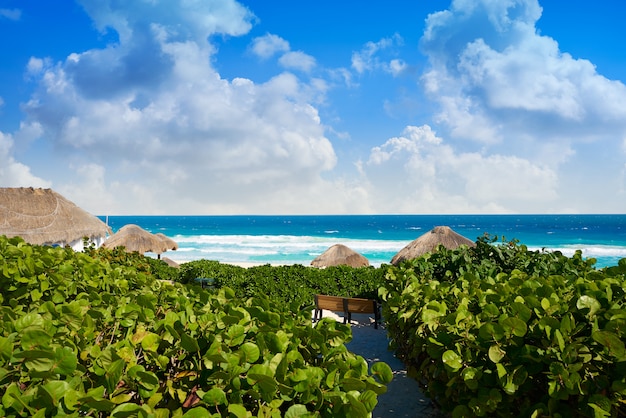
283 107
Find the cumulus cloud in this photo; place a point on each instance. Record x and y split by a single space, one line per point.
369 57
152 121
419 172
297 60
268 45
12 172
493 73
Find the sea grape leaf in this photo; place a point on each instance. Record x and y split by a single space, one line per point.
6 348
369 400
515 326
150 342
37 360
197 412
236 334
238 410
188 343
382 371
452 360
250 351
127 410
35 337
611 341
588 302
215 396
491 331
55 390
65 361
496 353
522 311
295 411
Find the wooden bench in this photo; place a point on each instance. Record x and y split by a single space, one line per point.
346 305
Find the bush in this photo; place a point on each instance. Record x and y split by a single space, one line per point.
85 336
498 330
293 285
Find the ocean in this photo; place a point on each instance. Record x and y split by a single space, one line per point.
282 239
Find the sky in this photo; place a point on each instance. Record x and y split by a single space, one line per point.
156 107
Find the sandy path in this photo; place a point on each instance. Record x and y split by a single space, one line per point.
403 397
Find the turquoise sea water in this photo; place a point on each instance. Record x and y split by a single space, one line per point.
299 239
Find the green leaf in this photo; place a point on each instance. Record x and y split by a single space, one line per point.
496 353
250 352
452 360
127 410
369 400
514 326
588 302
150 342
491 331
56 390
197 412
611 341
238 410
35 337
296 411
236 334
382 371
188 343
65 361
215 396
6 348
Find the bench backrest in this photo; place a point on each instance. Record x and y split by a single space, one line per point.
330 303
356 305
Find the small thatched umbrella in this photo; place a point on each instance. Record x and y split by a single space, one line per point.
170 262
135 238
44 217
340 255
439 235
169 243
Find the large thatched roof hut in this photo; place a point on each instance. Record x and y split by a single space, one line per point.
340 255
439 235
134 238
44 217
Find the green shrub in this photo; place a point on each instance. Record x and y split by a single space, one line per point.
101 336
293 285
498 330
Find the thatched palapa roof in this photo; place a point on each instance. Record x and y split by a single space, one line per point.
439 235
170 244
42 216
134 238
340 255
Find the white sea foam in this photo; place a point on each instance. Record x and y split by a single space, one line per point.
277 249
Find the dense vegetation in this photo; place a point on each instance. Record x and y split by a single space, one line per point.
97 334
291 285
499 330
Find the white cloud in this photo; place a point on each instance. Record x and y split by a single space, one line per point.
418 172
369 57
297 60
11 14
150 123
178 19
269 45
12 172
494 76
